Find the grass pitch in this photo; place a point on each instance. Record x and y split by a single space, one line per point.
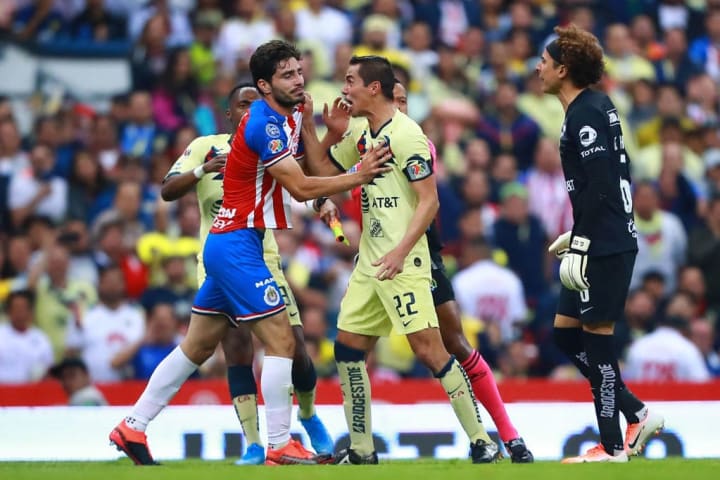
425 469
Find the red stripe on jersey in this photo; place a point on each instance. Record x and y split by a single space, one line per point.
248 186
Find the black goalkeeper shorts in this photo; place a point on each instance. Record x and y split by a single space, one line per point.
609 277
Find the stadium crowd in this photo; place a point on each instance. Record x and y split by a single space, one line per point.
93 263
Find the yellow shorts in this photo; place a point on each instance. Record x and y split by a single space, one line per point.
373 307
274 265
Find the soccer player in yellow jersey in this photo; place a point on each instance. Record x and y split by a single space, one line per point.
201 166
391 284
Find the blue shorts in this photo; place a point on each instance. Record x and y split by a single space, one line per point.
238 284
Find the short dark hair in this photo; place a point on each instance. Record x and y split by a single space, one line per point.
374 68
27 294
264 61
237 88
582 55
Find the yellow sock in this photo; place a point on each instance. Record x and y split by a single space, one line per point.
306 403
247 413
456 384
355 387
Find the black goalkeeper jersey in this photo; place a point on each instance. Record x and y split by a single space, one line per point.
597 174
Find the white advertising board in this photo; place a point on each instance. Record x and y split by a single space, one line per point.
551 431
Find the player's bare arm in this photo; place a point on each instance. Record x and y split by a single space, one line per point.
392 262
336 119
289 174
175 186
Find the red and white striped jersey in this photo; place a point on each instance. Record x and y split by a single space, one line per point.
252 198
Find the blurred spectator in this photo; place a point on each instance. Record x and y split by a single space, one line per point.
107 328
622 63
110 250
161 337
25 351
19 253
649 161
547 194
13 158
177 100
423 58
140 136
638 319
702 334
643 108
73 375
489 292
705 51
12 161
61 299
546 111
35 190
87 183
508 130
76 237
670 104
103 143
711 159
666 355
692 282
522 237
376 30
472 53
662 240
515 359
702 95
704 251
149 55
174 289
676 194
206 27
38 21
127 208
448 19
96 24
642 30
247 28
324 24
475 190
57 132
179 31
675 66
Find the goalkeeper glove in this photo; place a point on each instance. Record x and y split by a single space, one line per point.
574 263
561 245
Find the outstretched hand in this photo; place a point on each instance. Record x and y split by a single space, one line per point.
372 163
336 117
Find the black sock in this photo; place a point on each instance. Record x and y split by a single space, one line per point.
570 342
304 377
605 380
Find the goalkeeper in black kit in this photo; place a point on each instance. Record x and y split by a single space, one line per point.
598 255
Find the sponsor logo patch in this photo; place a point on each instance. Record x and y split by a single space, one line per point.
588 135
613 117
418 168
376 230
275 146
272 130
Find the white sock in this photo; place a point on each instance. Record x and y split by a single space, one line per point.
164 383
277 389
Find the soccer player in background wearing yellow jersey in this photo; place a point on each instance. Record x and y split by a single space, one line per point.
391 284
201 167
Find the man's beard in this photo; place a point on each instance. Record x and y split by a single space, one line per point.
286 101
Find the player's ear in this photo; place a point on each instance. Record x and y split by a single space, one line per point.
264 87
